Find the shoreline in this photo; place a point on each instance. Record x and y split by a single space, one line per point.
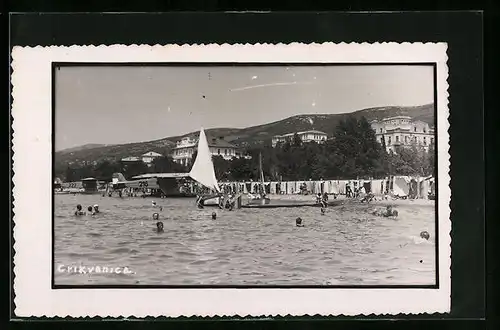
377 201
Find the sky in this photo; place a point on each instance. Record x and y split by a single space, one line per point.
120 104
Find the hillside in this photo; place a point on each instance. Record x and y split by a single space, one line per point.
242 137
84 147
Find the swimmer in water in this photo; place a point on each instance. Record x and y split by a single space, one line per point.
425 235
96 208
298 222
214 215
156 216
79 210
388 212
159 227
153 204
322 211
91 211
161 208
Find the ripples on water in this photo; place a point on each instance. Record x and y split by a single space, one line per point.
346 246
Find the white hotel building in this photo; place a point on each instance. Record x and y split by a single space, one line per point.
403 131
185 148
306 136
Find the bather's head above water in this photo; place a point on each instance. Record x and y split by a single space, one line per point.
159 226
156 216
214 215
425 235
298 222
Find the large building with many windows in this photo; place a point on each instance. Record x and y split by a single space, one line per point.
185 149
401 131
306 136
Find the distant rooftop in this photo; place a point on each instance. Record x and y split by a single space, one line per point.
218 142
152 154
212 142
304 132
130 159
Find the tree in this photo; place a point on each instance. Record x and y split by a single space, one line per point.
358 148
193 159
105 169
297 141
166 164
431 161
240 169
222 168
134 169
70 174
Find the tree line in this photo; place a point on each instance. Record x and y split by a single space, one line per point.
352 152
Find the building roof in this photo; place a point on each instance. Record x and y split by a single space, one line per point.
212 142
130 159
219 143
303 132
314 132
161 175
152 154
396 117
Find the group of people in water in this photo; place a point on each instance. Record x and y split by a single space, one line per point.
321 199
92 210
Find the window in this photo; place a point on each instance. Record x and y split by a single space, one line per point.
414 129
425 130
218 151
432 140
225 152
406 139
380 130
425 141
389 140
397 138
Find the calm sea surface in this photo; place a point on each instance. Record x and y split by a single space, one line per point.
347 246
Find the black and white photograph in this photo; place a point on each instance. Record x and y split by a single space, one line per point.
232 180
233 175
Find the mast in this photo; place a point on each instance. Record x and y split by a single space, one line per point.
261 172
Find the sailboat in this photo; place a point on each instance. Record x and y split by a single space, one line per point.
203 172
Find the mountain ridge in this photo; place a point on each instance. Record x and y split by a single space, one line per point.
243 137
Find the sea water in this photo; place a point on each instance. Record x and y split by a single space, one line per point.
346 246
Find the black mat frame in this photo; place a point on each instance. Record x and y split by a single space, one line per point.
462 31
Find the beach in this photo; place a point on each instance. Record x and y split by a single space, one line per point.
346 246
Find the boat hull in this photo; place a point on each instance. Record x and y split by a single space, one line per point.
287 204
276 204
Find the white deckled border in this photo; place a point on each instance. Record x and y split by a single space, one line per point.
31 80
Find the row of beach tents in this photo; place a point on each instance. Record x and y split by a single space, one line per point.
398 186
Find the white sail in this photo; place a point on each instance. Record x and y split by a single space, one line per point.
203 167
